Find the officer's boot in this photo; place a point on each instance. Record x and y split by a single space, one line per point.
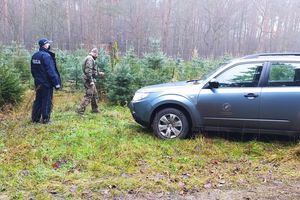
80 110
94 106
85 101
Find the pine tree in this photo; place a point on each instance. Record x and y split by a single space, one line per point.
121 86
103 65
22 66
156 69
10 87
70 67
155 59
131 59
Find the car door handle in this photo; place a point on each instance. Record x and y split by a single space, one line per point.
251 96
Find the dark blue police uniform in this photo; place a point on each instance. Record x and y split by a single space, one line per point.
46 76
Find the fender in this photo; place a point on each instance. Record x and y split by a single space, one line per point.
181 101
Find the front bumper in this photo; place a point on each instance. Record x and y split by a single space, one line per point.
140 111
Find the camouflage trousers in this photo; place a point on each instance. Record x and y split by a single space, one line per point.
91 96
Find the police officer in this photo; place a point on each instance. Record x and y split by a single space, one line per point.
89 75
46 77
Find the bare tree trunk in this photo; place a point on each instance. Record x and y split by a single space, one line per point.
68 45
165 23
5 21
22 21
262 10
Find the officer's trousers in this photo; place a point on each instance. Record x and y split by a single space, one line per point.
91 96
42 105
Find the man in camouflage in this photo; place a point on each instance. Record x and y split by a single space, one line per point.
89 75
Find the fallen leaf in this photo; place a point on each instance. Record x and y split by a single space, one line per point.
124 174
56 165
45 159
181 184
3 197
73 188
104 192
215 162
131 192
86 194
236 170
186 175
207 185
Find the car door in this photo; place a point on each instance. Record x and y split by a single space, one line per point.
236 102
280 98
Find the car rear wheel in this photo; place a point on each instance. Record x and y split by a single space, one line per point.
170 123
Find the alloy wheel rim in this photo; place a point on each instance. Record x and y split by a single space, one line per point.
170 126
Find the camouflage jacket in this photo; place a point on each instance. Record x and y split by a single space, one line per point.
89 69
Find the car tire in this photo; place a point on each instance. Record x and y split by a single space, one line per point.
170 123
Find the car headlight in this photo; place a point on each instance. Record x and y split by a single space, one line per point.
139 96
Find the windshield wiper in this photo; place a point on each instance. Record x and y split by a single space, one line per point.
193 80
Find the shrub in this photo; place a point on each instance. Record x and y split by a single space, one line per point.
22 65
10 87
155 59
16 57
120 91
70 67
156 66
104 65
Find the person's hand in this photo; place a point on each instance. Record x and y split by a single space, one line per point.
57 87
101 74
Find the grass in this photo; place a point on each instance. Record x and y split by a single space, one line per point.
109 155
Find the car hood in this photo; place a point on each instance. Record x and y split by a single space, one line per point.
171 86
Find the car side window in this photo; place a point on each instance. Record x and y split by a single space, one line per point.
244 75
284 74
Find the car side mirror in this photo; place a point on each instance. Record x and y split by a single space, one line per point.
213 83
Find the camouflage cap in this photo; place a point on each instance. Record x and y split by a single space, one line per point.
94 51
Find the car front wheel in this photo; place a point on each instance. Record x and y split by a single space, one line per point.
170 123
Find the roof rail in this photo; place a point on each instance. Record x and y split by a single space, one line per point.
271 54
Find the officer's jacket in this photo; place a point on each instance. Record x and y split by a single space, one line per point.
44 70
89 69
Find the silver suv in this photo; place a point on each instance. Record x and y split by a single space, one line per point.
255 94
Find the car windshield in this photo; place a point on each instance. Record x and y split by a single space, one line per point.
205 76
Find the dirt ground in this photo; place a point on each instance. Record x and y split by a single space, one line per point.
268 191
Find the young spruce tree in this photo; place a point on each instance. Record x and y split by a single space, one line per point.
120 91
10 87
